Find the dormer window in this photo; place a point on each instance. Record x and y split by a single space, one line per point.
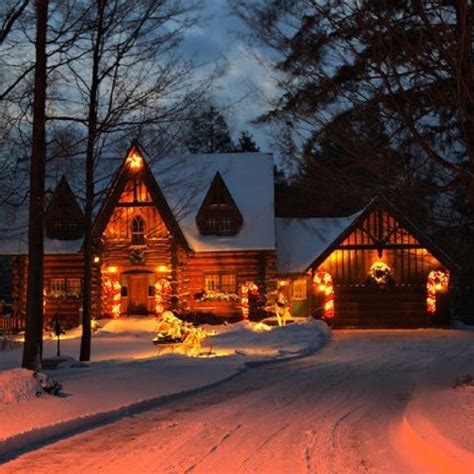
63 217
221 226
138 231
219 214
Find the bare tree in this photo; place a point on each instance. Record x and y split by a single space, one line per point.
125 78
34 309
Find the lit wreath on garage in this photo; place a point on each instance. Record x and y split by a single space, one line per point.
380 274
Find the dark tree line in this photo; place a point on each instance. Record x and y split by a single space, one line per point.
379 96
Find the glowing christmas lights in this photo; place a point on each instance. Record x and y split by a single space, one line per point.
438 281
162 291
322 283
380 274
111 297
249 288
135 161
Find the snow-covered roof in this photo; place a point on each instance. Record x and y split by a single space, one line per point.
185 181
301 241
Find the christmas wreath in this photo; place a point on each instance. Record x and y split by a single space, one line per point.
380 274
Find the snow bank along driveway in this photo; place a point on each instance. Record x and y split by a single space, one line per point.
127 372
370 401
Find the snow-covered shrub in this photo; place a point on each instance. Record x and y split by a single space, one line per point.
464 381
170 329
47 383
17 385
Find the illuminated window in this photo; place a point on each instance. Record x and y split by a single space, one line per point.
58 285
299 289
73 286
138 231
222 282
228 283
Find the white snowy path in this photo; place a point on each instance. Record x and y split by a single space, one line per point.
338 411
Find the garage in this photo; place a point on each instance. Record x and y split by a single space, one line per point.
374 269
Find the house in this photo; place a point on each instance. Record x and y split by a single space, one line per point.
194 235
198 234
374 268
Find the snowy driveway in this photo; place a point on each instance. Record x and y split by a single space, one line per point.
339 411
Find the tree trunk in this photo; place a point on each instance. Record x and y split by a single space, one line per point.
88 248
33 346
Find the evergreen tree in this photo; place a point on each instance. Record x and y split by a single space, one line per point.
246 143
209 133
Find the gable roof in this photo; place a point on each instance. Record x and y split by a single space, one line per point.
185 181
179 183
218 190
301 241
122 177
305 243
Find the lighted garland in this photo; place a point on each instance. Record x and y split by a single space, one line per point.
172 330
323 284
111 297
437 281
247 289
162 291
211 295
380 274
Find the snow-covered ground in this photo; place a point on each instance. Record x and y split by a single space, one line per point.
129 371
369 401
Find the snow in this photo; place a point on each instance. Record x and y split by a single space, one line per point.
301 241
18 385
127 369
185 181
249 338
369 401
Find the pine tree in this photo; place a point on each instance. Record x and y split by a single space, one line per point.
209 133
246 143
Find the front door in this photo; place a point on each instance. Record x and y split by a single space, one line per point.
138 294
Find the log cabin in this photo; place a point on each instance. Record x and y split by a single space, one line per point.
373 269
197 234
193 235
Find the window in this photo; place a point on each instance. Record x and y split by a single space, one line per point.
228 283
212 282
138 231
221 226
64 230
74 286
299 289
57 285
219 214
221 282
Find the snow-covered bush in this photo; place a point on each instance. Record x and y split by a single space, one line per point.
17 385
170 329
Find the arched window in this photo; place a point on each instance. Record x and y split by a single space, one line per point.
138 231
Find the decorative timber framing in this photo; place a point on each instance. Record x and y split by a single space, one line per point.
130 170
380 240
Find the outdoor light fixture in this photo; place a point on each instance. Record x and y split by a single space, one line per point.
112 269
96 259
135 161
162 269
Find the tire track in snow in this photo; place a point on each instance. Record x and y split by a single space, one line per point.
213 449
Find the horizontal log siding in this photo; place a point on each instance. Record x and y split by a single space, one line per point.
256 266
63 266
55 266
